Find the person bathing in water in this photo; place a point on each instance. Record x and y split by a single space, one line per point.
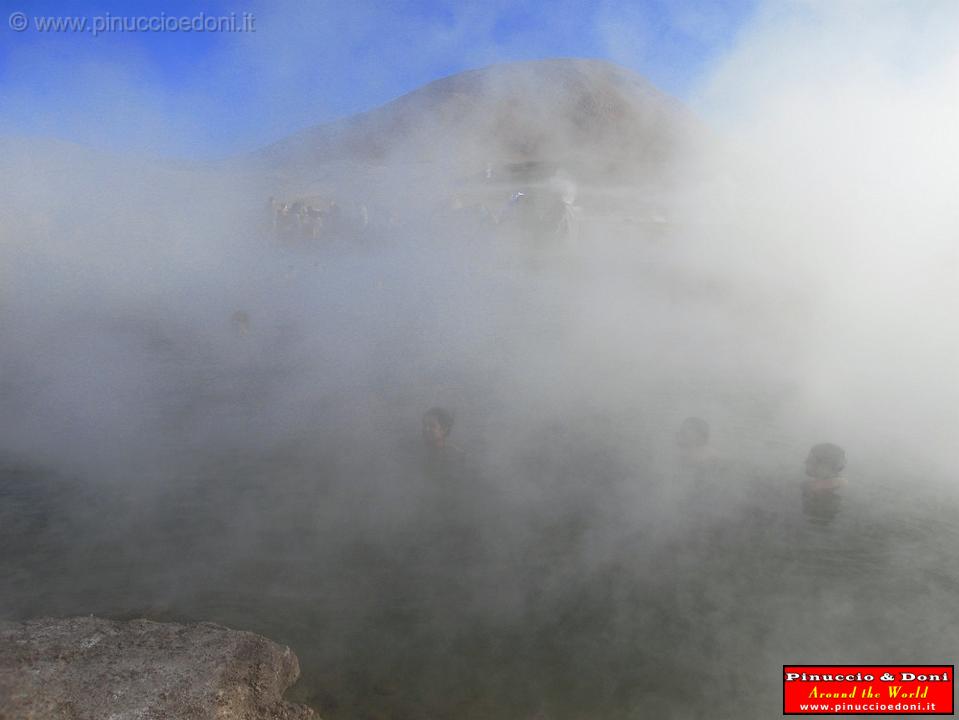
437 425
824 481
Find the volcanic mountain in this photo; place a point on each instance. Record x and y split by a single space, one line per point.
590 115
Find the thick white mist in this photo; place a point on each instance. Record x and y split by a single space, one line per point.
838 121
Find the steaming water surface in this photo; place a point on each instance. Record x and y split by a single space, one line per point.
616 584
567 561
205 418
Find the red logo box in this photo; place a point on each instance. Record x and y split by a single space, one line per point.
869 689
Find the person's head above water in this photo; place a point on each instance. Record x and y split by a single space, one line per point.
825 461
693 434
820 491
437 424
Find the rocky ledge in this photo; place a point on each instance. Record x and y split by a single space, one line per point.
87 668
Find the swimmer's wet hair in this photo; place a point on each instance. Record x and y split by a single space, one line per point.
829 454
443 416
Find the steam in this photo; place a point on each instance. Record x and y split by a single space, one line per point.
253 405
838 119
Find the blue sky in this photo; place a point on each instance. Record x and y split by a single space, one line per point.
212 94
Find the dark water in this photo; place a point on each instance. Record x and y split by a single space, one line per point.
609 588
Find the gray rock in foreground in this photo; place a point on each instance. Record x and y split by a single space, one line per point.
88 668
